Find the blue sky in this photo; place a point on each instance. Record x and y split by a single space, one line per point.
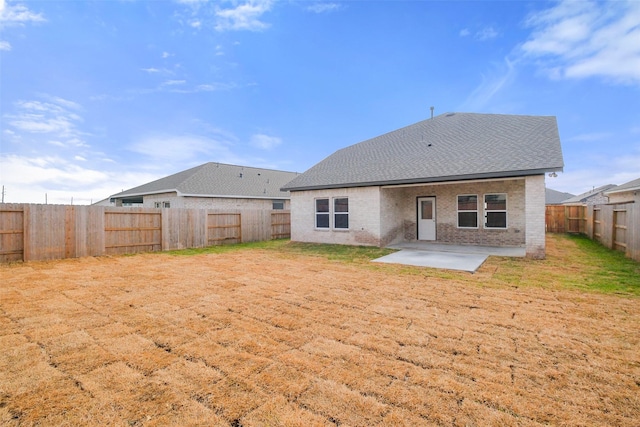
101 96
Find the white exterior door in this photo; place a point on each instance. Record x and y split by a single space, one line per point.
427 218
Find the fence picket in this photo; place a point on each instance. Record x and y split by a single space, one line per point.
39 232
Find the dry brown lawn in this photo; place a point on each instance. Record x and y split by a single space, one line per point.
262 338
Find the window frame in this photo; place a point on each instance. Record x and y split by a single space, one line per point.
459 211
337 213
487 211
326 213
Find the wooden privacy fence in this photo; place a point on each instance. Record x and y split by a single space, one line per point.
42 232
565 219
616 226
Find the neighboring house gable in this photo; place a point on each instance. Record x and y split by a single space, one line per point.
457 178
594 197
625 193
553 197
212 185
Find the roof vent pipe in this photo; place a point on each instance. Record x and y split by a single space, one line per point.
431 108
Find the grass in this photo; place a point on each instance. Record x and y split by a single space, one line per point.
344 253
573 262
284 334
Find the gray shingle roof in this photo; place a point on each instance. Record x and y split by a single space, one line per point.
627 186
219 179
448 147
580 198
554 197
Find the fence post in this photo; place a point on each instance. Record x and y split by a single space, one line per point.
26 233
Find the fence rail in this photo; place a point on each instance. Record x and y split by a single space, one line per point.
42 232
616 226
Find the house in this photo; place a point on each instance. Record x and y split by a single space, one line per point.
553 197
212 186
596 196
626 193
462 178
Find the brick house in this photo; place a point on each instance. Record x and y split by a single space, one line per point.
597 196
629 192
460 178
211 186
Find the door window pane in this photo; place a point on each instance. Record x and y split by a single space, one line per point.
426 209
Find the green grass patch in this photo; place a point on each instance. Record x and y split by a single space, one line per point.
345 253
573 262
610 271
220 249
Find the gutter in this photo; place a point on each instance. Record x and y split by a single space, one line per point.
440 179
180 194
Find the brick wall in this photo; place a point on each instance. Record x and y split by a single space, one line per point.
209 202
535 216
403 215
382 216
364 217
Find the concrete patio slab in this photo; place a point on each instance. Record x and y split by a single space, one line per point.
448 260
441 255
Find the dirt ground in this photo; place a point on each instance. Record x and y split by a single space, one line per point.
261 338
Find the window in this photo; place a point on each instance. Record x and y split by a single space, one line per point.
341 213
162 204
338 209
322 213
278 205
468 211
157 204
495 211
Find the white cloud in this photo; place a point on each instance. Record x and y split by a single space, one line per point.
588 39
492 83
590 137
245 16
52 118
486 33
151 70
213 87
603 170
265 142
173 82
166 55
323 7
17 15
183 148
5 45
28 179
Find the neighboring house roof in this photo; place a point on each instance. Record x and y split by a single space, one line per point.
449 147
553 197
627 186
581 198
218 180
